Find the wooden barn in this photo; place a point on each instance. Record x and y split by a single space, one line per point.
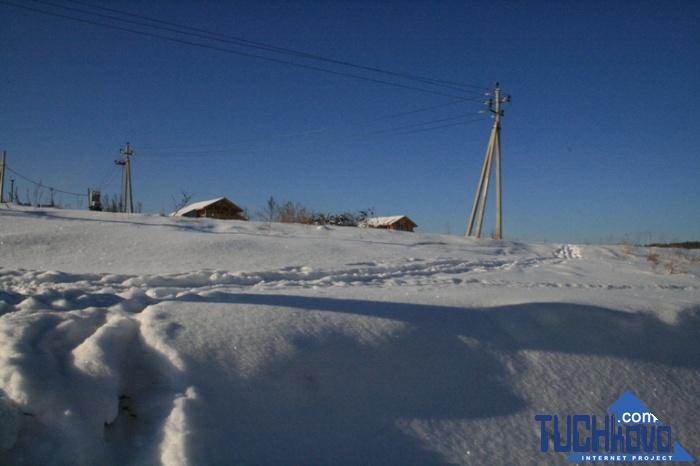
220 208
397 222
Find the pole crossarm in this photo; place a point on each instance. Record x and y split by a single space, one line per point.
494 106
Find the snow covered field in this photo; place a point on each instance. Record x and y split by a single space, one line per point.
135 339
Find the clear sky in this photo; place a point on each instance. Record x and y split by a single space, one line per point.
600 142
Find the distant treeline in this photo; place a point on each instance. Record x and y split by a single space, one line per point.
686 245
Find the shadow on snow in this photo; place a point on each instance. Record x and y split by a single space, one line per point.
337 400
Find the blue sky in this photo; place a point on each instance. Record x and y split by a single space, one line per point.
599 144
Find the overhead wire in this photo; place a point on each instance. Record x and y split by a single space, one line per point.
39 184
428 125
326 129
247 54
247 43
192 36
479 90
108 178
245 149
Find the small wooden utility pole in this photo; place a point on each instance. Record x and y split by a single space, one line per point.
483 189
127 194
2 176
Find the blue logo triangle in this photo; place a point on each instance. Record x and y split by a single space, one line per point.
679 454
629 410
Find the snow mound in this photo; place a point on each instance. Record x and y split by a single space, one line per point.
213 342
568 251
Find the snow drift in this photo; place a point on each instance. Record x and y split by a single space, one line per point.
133 339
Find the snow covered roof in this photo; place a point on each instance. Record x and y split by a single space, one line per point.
199 206
376 222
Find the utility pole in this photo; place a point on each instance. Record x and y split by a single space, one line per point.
483 189
2 176
127 194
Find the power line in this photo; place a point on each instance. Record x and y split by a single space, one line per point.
260 149
43 185
200 33
430 128
108 178
250 44
151 150
258 45
186 35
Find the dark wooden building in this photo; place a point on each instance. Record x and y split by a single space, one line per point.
220 208
397 222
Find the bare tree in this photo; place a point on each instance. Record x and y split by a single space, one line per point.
186 197
269 215
112 203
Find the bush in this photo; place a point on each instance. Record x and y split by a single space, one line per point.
290 212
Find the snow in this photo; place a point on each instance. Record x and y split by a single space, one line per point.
135 339
196 206
380 221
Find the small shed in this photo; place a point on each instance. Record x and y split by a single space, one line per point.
220 208
397 222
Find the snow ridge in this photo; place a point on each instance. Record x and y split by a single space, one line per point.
224 343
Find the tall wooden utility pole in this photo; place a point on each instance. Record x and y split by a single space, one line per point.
483 189
127 194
